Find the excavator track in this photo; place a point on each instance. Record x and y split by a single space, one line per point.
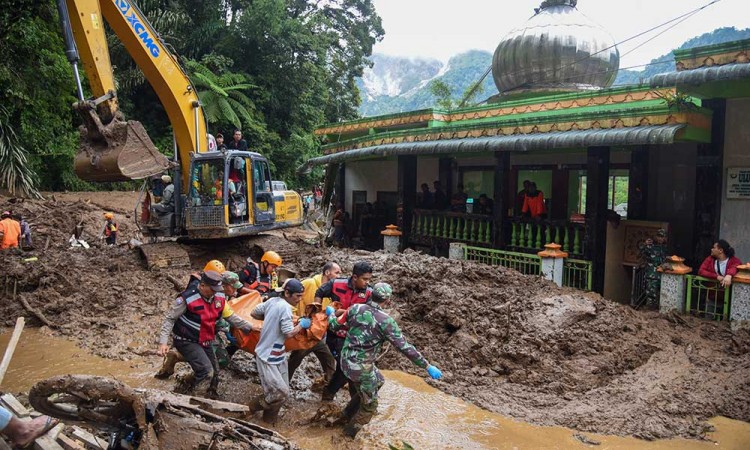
165 254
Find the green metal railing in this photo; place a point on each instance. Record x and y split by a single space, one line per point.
523 262
451 226
707 298
532 235
577 273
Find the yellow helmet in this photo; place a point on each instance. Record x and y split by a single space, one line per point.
214 265
271 258
109 216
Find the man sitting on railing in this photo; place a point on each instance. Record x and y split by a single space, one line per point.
721 264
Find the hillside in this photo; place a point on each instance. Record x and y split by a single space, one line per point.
397 84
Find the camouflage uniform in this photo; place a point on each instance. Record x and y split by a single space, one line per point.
369 327
653 256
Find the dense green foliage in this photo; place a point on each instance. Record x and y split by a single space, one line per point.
277 69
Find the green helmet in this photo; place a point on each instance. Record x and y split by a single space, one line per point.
381 292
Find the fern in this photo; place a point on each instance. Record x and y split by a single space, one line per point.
15 174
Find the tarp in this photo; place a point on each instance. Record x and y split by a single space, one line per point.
243 306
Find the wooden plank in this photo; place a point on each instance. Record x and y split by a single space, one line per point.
14 405
11 347
89 440
68 443
49 441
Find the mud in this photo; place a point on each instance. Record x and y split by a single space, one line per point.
511 344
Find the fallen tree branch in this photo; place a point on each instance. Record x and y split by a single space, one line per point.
178 285
36 313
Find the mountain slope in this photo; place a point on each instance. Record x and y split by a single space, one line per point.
396 84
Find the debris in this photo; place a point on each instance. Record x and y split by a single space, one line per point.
585 439
89 440
14 406
12 343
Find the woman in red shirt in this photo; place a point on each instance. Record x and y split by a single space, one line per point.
721 265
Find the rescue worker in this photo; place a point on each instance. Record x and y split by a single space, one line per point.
173 356
192 323
331 271
369 327
270 353
25 232
166 205
10 231
653 253
110 229
262 277
346 291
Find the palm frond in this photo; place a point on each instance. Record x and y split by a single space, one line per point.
15 174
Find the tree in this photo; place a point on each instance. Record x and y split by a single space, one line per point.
15 173
442 93
223 93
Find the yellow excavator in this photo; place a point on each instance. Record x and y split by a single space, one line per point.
217 193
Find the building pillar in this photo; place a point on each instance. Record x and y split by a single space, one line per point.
597 189
457 250
638 183
339 197
391 239
552 263
500 197
739 314
407 195
673 285
445 175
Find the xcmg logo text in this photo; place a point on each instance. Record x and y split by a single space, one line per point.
138 27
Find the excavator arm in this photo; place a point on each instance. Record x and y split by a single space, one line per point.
112 149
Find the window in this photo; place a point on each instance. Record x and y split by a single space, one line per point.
617 194
207 183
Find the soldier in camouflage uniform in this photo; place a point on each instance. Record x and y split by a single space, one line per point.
369 327
653 253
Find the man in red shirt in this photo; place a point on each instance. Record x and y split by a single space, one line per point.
533 203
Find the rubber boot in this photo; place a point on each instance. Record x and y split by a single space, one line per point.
170 361
257 404
355 424
271 414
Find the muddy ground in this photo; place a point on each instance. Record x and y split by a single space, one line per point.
512 344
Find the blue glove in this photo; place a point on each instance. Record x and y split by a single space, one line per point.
329 310
305 323
434 372
231 339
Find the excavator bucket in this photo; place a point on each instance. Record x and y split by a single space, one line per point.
118 151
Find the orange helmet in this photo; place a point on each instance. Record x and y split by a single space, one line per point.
109 216
271 258
214 265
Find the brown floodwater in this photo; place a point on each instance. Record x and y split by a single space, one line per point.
410 410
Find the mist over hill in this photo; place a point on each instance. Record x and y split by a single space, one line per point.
396 84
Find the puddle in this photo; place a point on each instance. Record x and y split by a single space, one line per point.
410 410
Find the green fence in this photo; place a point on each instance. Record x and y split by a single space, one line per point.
532 235
707 298
450 226
527 264
577 274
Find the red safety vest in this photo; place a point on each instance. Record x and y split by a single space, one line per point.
198 323
346 295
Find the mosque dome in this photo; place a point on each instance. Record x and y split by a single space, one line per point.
558 49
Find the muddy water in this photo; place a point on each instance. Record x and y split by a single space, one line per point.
410 411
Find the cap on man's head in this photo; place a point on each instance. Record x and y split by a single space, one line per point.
661 232
294 286
166 179
213 279
231 279
5 214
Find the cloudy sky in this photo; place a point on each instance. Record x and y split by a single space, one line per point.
442 28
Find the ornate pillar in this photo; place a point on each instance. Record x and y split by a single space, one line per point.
552 262
673 285
391 238
740 311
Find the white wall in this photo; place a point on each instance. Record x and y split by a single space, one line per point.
370 176
735 223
